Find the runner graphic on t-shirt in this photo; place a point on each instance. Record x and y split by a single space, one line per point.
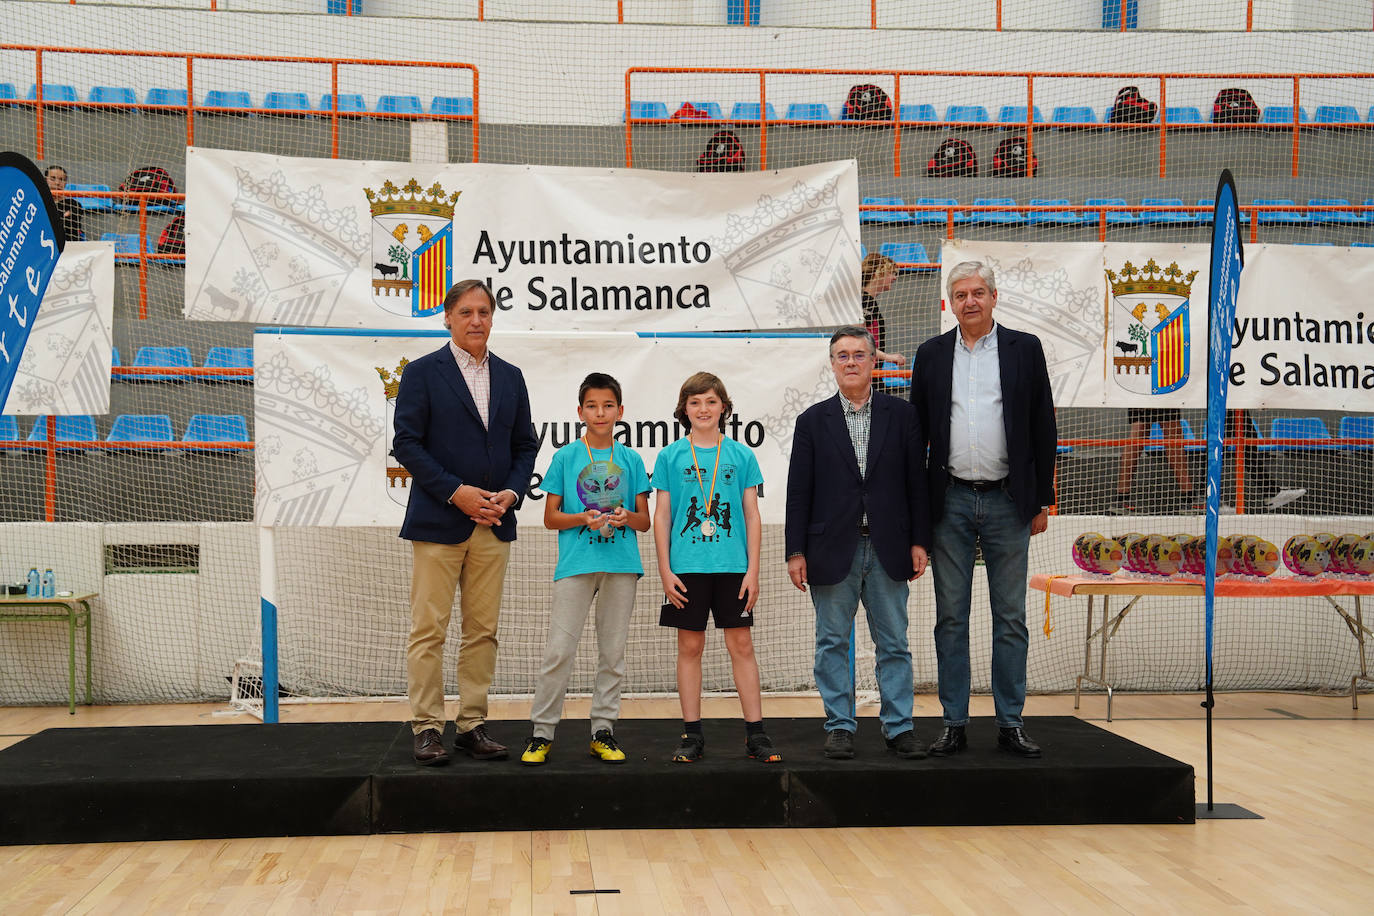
693 518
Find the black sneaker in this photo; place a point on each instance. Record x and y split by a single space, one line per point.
760 747
692 748
906 746
839 744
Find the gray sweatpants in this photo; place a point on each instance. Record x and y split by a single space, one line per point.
572 600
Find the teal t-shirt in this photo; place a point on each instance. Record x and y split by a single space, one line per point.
615 478
708 534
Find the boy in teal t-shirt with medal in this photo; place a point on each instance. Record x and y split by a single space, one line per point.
708 533
597 498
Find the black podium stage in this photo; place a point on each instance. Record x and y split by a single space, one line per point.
80 785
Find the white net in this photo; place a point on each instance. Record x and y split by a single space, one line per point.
163 533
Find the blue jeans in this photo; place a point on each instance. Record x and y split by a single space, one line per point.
989 519
884 600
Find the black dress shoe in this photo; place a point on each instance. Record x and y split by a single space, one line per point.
1014 740
480 745
951 741
839 744
429 748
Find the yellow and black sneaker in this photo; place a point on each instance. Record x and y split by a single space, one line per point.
692 749
536 751
760 748
604 747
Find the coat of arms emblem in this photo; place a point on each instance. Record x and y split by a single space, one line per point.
1149 337
412 255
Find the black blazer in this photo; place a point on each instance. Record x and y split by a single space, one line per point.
826 497
1027 415
440 440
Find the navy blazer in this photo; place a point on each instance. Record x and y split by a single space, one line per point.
1027 415
440 440
826 496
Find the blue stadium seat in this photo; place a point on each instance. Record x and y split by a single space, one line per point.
451 105
112 95
1280 216
1005 218
1016 114
216 428
1166 216
1362 244
749 111
78 428
351 102
286 101
162 356
114 357
229 358
1333 216
937 216
125 243
1156 437
1113 218
93 203
974 113
141 428
1282 114
7 91
884 216
712 109
1187 429
54 92
1370 119
9 432
399 104
1336 114
910 113
228 98
1055 217
1183 114
648 109
905 252
1361 427
1313 428
1073 114
165 97
808 111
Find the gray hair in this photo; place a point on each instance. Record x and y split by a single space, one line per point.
850 330
466 286
965 269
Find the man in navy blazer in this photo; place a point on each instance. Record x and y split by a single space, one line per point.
463 431
857 529
983 395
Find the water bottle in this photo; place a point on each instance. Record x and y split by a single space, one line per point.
33 589
49 584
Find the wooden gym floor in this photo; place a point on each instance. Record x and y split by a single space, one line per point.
1301 762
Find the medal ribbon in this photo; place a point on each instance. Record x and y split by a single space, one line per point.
697 467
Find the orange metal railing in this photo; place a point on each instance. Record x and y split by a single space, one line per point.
42 105
1297 127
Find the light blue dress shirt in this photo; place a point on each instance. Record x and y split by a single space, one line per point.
977 436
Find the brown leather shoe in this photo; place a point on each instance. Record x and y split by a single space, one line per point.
480 745
429 748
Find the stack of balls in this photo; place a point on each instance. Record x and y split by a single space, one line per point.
1314 554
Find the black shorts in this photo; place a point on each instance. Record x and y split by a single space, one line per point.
1148 415
707 594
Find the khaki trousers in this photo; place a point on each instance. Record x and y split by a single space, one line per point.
477 569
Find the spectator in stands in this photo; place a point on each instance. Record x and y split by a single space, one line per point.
72 213
879 273
857 529
991 476
1140 419
464 433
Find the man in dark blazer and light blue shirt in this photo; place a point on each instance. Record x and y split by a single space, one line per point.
857 529
982 392
464 433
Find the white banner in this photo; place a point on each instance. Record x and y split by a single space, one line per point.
323 409
1125 324
65 368
326 242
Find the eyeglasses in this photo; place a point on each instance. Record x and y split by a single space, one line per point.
861 356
